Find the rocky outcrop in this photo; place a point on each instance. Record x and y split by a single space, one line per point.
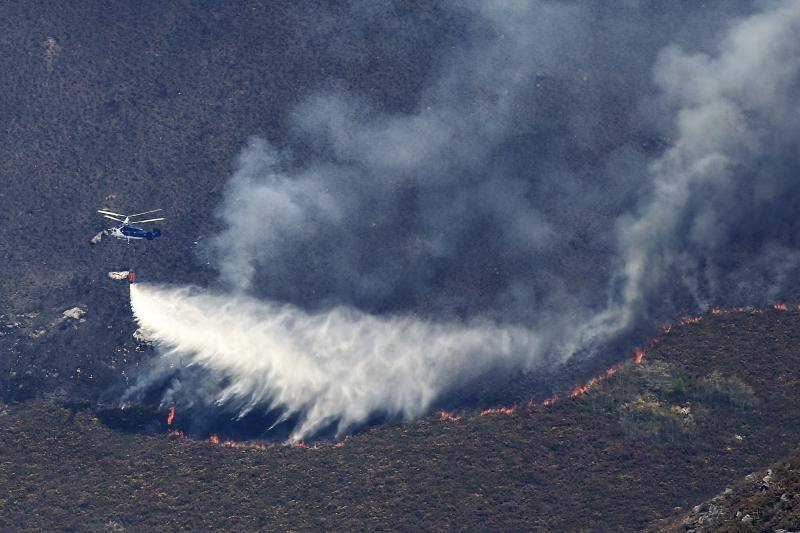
768 500
74 313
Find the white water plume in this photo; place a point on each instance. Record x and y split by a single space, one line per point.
515 188
340 366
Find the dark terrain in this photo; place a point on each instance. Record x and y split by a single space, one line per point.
767 499
145 106
148 103
712 402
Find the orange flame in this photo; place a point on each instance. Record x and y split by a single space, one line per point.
499 410
246 445
583 389
639 354
577 391
690 320
550 401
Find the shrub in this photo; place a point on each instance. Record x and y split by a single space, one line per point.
678 390
730 390
656 377
649 417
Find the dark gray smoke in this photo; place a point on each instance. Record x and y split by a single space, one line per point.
573 170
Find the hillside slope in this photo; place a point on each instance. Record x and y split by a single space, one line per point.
137 107
764 500
713 401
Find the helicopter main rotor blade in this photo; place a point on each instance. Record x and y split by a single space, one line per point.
114 218
145 213
110 213
148 220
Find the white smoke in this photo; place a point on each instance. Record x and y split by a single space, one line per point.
338 367
734 111
730 107
335 226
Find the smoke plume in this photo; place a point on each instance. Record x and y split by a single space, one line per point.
718 218
570 174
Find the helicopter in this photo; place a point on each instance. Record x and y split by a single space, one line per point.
128 226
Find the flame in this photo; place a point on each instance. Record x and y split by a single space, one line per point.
690 320
577 391
249 445
640 353
444 416
610 371
550 401
583 389
240 445
499 410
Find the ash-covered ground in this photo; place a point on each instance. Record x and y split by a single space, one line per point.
512 187
708 406
383 209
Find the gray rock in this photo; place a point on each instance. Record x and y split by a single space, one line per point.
76 313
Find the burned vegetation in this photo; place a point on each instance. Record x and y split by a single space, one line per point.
711 402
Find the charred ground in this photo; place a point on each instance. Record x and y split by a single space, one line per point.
133 106
711 403
147 104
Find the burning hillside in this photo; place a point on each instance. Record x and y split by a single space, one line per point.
420 282
402 254
638 358
710 402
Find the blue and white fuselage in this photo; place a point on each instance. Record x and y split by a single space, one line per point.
127 231
129 226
